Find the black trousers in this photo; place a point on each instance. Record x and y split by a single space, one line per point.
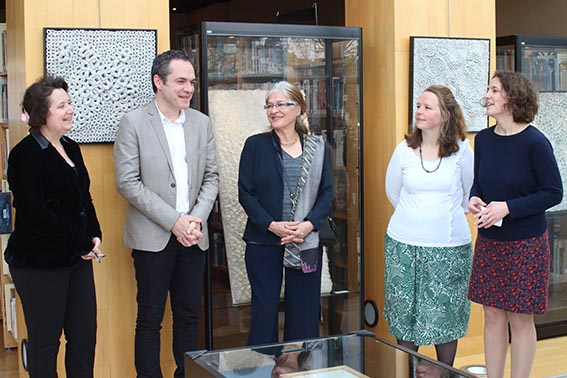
53 301
264 266
179 271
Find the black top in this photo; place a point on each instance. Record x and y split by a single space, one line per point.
55 217
521 170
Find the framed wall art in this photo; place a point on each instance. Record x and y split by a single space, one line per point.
462 64
108 72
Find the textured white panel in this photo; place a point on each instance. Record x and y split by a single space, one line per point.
108 72
552 121
235 116
460 64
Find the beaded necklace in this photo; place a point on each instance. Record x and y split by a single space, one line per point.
422 166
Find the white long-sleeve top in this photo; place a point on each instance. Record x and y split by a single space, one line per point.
430 208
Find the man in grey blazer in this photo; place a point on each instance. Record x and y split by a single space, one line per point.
165 166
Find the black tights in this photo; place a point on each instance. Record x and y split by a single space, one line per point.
445 352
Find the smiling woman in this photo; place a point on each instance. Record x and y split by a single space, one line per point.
285 188
56 234
428 181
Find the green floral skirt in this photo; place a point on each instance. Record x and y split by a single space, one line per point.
426 292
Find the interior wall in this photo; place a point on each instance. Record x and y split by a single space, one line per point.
114 277
546 17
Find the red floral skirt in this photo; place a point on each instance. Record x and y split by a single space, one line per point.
511 275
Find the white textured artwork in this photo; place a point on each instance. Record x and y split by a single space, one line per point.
552 121
461 64
108 72
235 116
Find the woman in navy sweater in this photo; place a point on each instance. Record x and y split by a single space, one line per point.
516 181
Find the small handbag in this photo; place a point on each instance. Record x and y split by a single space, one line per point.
328 233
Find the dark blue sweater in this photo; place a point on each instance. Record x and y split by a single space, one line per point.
521 170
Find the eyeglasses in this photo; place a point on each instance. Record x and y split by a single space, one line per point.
279 105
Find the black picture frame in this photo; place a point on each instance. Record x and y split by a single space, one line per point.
462 64
108 72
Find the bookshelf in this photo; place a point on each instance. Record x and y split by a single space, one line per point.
7 290
236 65
543 59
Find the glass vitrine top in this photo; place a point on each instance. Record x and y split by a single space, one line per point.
354 355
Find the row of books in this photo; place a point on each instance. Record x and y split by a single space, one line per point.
544 69
2 47
3 100
315 91
547 69
559 257
261 56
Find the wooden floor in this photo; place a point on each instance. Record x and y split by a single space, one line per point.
8 361
550 357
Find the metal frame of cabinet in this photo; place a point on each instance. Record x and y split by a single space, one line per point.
256 56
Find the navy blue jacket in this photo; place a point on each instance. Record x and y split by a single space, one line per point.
261 187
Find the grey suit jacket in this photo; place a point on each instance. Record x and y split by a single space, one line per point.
144 176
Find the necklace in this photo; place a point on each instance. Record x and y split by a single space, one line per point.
422 166
289 144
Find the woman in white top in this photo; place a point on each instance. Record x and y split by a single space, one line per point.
428 242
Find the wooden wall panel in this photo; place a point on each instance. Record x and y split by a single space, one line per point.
387 26
115 282
379 130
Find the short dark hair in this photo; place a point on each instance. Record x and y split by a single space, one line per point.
36 99
522 95
161 62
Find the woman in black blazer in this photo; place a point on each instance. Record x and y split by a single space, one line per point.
285 187
56 235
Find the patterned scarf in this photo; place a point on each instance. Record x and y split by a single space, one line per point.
293 256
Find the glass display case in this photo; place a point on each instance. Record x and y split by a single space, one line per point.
543 59
236 65
350 356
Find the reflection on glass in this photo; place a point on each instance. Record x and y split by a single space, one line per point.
342 356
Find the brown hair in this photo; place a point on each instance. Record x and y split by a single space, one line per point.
453 128
522 95
36 100
294 95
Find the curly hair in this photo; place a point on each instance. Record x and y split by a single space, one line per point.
453 128
521 93
36 100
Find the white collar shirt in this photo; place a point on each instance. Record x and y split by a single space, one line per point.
175 134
